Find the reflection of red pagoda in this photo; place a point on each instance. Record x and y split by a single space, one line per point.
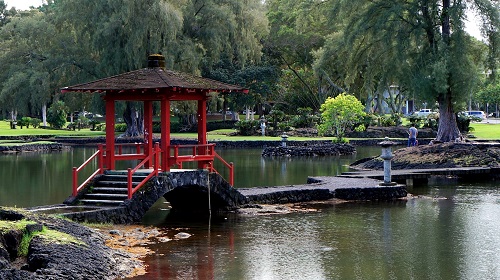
155 84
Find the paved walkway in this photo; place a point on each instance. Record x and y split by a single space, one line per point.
324 182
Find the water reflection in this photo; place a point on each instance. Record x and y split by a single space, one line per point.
450 233
421 239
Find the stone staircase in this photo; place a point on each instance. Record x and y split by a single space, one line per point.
110 189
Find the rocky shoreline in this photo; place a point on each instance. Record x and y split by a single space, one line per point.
443 155
34 147
309 150
57 249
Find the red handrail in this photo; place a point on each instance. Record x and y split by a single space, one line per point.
99 170
230 166
202 153
155 158
205 152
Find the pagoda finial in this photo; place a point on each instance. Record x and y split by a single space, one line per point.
156 60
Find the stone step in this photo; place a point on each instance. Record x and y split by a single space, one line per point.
100 202
125 173
116 184
121 178
110 190
106 196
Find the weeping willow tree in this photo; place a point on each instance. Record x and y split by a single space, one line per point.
120 35
420 45
192 35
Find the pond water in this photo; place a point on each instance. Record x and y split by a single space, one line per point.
452 231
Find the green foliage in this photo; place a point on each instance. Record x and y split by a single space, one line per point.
56 115
94 124
369 120
340 140
24 121
247 127
339 114
120 127
391 120
25 242
463 122
360 128
490 94
409 44
35 122
416 120
304 119
275 117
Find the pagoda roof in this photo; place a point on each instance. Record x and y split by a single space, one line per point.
154 80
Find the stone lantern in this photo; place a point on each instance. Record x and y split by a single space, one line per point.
263 125
284 138
387 156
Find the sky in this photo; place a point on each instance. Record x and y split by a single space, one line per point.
23 4
471 27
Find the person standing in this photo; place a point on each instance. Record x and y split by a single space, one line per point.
412 136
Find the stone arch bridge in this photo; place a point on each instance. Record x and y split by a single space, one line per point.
186 190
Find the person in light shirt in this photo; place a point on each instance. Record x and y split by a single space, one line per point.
412 136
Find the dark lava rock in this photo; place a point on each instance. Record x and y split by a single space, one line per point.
310 150
50 258
391 132
443 155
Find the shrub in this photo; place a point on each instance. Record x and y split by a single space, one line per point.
57 114
304 119
416 120
24 121
463 122
431 121
360 128
120 127
35 122
247 127
339 114
93 123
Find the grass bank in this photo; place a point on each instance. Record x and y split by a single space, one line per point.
483 131
5 130
486 131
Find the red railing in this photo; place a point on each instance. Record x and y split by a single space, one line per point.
155 157
201 153
99 155
139 153
187 153
230 166
204 153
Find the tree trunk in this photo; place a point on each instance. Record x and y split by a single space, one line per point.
134 121
44 115
448 129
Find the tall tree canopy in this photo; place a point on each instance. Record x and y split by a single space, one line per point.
101 38
420 45
293 53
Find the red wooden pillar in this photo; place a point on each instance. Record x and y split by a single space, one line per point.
165 134
110 134
202 129
148 130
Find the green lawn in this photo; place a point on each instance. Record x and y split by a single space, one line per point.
5 130
486 131
480 131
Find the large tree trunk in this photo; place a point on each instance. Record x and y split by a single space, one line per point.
44 115
134 120
448 128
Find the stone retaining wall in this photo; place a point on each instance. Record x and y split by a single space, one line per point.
47 147
311 150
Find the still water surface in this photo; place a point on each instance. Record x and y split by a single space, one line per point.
451 233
